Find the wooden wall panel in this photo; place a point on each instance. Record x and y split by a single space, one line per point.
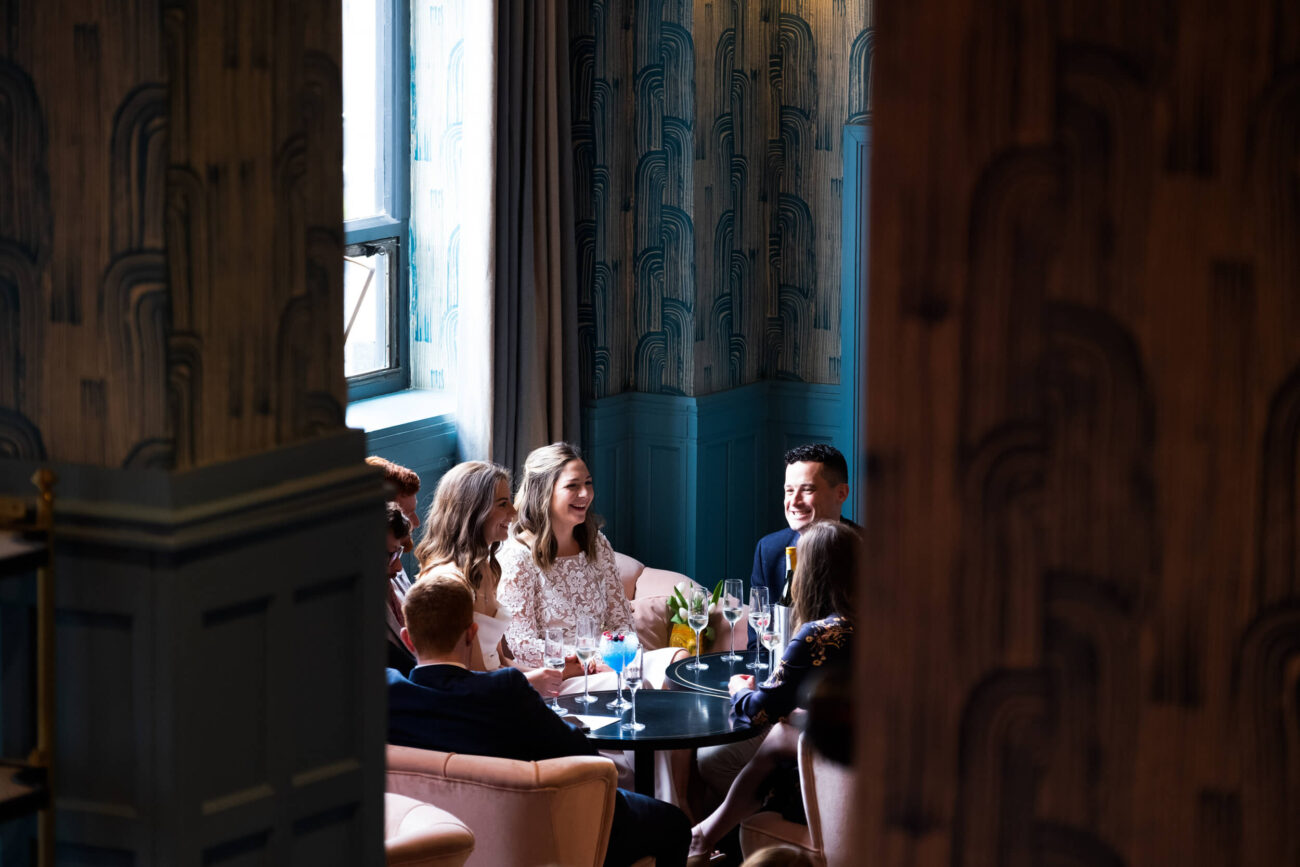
170 240
1083 619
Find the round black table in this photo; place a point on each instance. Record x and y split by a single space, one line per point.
713 680
674 720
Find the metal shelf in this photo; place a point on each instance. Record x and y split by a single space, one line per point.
26 546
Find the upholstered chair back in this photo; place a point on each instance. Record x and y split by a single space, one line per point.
417 834
556 811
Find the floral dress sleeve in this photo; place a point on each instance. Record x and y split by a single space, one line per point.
520 590
813 646
618 611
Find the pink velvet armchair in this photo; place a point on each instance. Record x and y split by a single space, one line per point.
556 811
828 802
417 834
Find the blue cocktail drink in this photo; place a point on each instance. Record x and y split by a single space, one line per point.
617 650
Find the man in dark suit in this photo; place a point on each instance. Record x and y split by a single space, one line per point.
445 706
816 486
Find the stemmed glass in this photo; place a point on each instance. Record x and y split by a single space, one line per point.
616 649
732 602
586 648
770 639
760 617
697 617
632 676
553 656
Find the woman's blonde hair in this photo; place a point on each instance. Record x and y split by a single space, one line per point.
541 472
826 571
458 516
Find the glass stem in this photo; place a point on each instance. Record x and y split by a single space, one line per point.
586 678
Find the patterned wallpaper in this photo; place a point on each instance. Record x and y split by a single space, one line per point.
437 112
707 140
170 241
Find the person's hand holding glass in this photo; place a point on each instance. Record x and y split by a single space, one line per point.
586 648
632 676
553 657
697 617
760 617
732 606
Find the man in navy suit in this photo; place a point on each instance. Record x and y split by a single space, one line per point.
445 706
816 486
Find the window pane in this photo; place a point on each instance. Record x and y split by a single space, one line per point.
365 106
368 270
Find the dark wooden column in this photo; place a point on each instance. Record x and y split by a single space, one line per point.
171 345
1082 606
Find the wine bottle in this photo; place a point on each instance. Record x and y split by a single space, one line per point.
787 598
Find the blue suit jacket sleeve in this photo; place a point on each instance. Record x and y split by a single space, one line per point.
551 736
492 713
769 569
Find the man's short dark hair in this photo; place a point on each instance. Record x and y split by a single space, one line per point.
834 468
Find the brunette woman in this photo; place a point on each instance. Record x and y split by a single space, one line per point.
468 520
824 581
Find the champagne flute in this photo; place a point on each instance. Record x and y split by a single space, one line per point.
632 676
770 639
553 657
732 607
697 617
759 618
586 648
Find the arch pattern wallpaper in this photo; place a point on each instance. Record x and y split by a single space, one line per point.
170 242
707 140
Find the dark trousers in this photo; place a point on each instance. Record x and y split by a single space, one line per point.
647 826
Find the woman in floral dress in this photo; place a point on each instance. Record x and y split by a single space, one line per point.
557 565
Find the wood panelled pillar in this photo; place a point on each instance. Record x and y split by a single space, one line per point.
1082 605
170 229
171 345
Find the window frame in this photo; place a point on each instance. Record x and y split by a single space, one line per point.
395 223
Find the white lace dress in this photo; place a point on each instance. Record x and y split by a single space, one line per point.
572 587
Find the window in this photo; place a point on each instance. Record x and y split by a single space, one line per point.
376 198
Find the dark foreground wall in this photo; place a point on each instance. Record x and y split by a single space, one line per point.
1083 607
170 343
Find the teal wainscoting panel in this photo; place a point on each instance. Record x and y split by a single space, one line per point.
428 446
664 429
853 305
607 445
735 486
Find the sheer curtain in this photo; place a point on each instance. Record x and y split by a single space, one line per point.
519 352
